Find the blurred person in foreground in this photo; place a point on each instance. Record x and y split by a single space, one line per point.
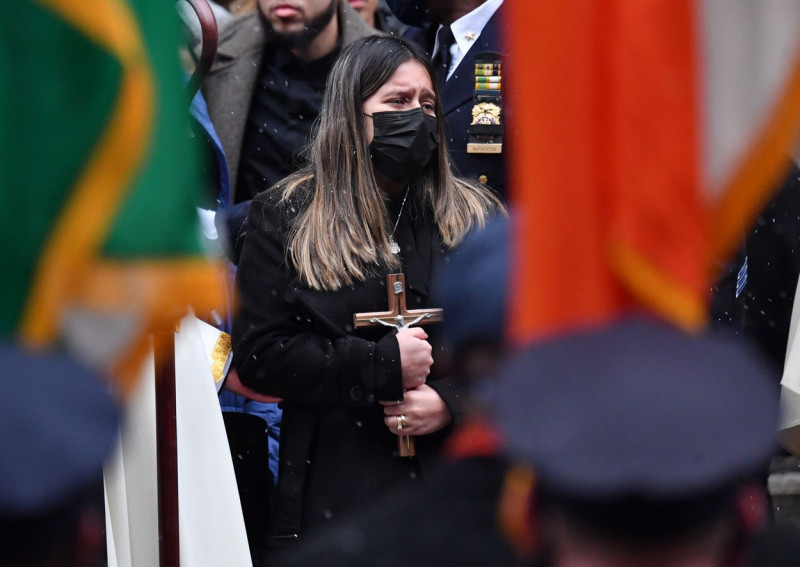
57 426
377 198
649 447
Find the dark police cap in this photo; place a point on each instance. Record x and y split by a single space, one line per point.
57 425
638 408
472 286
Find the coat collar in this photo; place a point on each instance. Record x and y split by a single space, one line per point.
243 35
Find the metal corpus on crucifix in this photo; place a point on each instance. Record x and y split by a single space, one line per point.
399 317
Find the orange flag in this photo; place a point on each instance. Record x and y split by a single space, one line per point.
625 182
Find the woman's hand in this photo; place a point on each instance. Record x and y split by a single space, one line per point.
415 356
424 411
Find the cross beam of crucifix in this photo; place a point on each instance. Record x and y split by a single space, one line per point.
398 316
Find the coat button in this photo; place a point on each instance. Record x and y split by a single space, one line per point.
483 179
357 394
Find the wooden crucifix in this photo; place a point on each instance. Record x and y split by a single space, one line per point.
399 317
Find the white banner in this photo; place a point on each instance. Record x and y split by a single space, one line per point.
212 531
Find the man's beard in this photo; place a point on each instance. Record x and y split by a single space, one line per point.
303 38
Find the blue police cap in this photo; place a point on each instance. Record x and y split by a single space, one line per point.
472 286
57 425
638 408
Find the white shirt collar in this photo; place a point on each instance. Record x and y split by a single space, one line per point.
467 29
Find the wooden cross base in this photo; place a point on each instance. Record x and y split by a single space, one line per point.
399 317
406 446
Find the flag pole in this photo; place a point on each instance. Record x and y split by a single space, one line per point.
167 451
164 355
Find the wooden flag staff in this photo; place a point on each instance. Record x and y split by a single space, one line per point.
167 451
164 356
399 317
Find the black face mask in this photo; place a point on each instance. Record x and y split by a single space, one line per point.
403 143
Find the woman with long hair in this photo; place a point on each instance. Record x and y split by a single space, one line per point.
376 197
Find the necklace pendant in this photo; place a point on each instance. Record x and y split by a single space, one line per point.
394 247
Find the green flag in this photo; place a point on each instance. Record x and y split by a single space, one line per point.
97 210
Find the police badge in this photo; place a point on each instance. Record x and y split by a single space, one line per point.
486 129
486 113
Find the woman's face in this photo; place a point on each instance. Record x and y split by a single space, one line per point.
410 87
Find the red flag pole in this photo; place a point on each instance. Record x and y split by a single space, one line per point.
164 354
167 452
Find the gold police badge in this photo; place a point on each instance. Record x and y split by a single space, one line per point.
486 113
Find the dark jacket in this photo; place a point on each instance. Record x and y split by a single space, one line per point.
765 272
457 100
386 22
299 344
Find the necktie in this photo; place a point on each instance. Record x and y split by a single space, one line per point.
443 58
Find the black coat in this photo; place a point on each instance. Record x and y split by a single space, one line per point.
299 344
457 100
763 311
453 521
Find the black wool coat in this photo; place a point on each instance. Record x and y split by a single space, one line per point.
300 344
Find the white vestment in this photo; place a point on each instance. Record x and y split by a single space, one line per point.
212 531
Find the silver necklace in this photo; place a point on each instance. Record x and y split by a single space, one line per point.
394 247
